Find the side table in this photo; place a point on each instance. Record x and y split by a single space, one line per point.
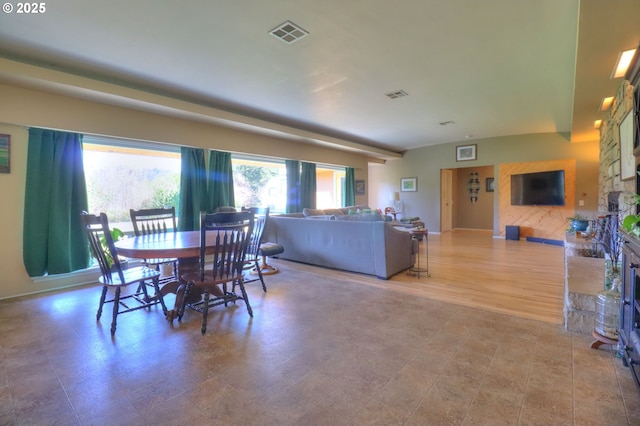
421 234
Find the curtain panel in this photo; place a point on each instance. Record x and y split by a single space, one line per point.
193 188
220 181
293 186
308 185
349 189
54 241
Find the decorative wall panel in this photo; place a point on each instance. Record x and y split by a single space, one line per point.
549 222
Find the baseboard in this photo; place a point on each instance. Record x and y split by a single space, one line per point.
546 241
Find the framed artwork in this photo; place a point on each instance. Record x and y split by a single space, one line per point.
359 187
627 160
409 184
490 185
5 153
466 152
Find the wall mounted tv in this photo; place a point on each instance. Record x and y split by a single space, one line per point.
538 189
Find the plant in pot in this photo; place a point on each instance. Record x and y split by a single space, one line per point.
578 223
116 234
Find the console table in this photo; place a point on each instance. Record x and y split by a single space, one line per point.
421 234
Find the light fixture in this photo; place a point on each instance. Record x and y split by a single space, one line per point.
597 124
397 94
622 63
606 103
394 200
288 32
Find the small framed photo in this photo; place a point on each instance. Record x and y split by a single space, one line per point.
359 187
409 184
490 185
466 152
5 153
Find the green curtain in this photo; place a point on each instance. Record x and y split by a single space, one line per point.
308 185
349 190
193 188
220 180
54 241
293 186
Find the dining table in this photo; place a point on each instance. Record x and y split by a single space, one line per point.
182 245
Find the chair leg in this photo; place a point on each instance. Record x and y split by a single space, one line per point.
102 299
245 297
116 307
156 285
264 286
146 298
205 311
185 296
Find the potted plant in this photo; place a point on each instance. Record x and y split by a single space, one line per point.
116 234
578 222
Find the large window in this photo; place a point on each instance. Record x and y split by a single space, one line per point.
263 182
123 175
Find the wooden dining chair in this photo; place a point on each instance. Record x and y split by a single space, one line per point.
156 221
115 277
221 263
254 256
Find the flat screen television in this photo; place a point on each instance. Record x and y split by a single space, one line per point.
538 189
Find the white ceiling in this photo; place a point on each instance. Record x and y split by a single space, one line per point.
492 67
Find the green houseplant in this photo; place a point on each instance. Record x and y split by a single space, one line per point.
578 223
116 234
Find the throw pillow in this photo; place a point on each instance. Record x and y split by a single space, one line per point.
312 212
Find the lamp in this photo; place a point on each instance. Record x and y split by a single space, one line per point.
473 186
395 202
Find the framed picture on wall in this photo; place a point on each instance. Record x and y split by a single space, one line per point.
359 187
409 184
490 185
5 153
627 160
466 152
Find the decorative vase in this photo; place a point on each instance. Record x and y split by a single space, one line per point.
578 225
608 311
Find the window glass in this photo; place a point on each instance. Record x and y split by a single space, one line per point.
259 182
121 178
263 182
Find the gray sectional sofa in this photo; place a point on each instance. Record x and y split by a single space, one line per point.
363 243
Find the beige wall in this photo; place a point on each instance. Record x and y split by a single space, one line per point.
426 163
23 107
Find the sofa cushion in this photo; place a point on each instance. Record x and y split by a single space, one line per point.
312 212
363 217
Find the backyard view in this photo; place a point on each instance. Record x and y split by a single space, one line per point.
120 178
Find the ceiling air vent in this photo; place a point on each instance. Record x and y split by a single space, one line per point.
397 94
288 32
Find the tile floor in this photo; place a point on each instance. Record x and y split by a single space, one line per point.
319 351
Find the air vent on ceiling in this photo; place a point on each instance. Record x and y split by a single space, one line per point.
446 123
397 94
288 32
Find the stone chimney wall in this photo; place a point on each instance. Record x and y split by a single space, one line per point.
609 180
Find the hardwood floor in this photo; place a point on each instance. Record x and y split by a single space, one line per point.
471 268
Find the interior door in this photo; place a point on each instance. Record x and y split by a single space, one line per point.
446 200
